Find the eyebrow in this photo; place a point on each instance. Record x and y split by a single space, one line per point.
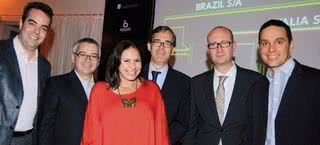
161 41
87 53
34 21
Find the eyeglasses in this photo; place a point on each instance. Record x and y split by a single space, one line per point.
222 44
164 44
84 57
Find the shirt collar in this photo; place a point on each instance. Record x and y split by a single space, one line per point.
91 80
285 68
232 72
21 52
162 70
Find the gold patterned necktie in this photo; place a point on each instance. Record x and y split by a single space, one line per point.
220 97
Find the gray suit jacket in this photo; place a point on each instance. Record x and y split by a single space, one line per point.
11 89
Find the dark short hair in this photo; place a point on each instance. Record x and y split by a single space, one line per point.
164 29
112 70
278 23
225 28
39 6
86 40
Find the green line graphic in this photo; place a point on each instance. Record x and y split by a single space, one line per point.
243 10
293 29
184 50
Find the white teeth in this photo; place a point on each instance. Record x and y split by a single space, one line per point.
34 37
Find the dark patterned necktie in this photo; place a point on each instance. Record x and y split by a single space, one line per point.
155 75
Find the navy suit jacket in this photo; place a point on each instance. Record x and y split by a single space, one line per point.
11 89
298 117
64 108
246 118
175 92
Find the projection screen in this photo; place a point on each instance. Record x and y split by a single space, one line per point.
192 19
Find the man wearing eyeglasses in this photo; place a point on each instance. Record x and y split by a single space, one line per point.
174 85
66 97
228 103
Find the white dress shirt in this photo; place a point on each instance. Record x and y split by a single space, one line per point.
228 85
86 84
29 75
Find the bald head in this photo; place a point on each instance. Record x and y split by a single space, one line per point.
221 29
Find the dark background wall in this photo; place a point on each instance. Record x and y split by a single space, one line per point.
126 19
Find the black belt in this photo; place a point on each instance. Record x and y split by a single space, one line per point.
21 133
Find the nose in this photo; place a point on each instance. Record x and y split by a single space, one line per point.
271 48
37 30
219 48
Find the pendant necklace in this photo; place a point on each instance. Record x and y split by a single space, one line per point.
128 103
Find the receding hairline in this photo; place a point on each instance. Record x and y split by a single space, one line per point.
221 28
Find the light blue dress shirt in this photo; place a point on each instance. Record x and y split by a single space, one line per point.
278 80
161 77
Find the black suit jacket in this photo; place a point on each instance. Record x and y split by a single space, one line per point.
298 117
246 118
175 92
64 107
11 89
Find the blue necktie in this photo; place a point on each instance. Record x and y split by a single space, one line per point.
155 75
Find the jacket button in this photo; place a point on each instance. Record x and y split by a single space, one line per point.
11 127
17 107
221 130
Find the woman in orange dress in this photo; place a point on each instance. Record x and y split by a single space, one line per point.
125 110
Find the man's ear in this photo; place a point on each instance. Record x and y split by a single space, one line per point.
20 24
234 46
73 58
291 46
149 46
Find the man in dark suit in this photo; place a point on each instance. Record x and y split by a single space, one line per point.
228 103
23 72
294 92
66 97
175 86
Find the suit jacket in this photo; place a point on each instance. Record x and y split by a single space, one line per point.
298 117
175 92
11 89
246 119
64 108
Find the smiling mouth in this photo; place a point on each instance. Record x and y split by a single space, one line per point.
272 57
35 39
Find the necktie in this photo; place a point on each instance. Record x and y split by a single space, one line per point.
155 75
220 98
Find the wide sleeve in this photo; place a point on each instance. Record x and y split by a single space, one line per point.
189 138
258 112
48 113
161 126
92 130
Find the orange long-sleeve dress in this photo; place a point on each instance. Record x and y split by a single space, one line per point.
108 122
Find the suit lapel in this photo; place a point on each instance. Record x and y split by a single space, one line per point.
14 67
291 85
166 84
42 74
76 85
235 97
210 94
